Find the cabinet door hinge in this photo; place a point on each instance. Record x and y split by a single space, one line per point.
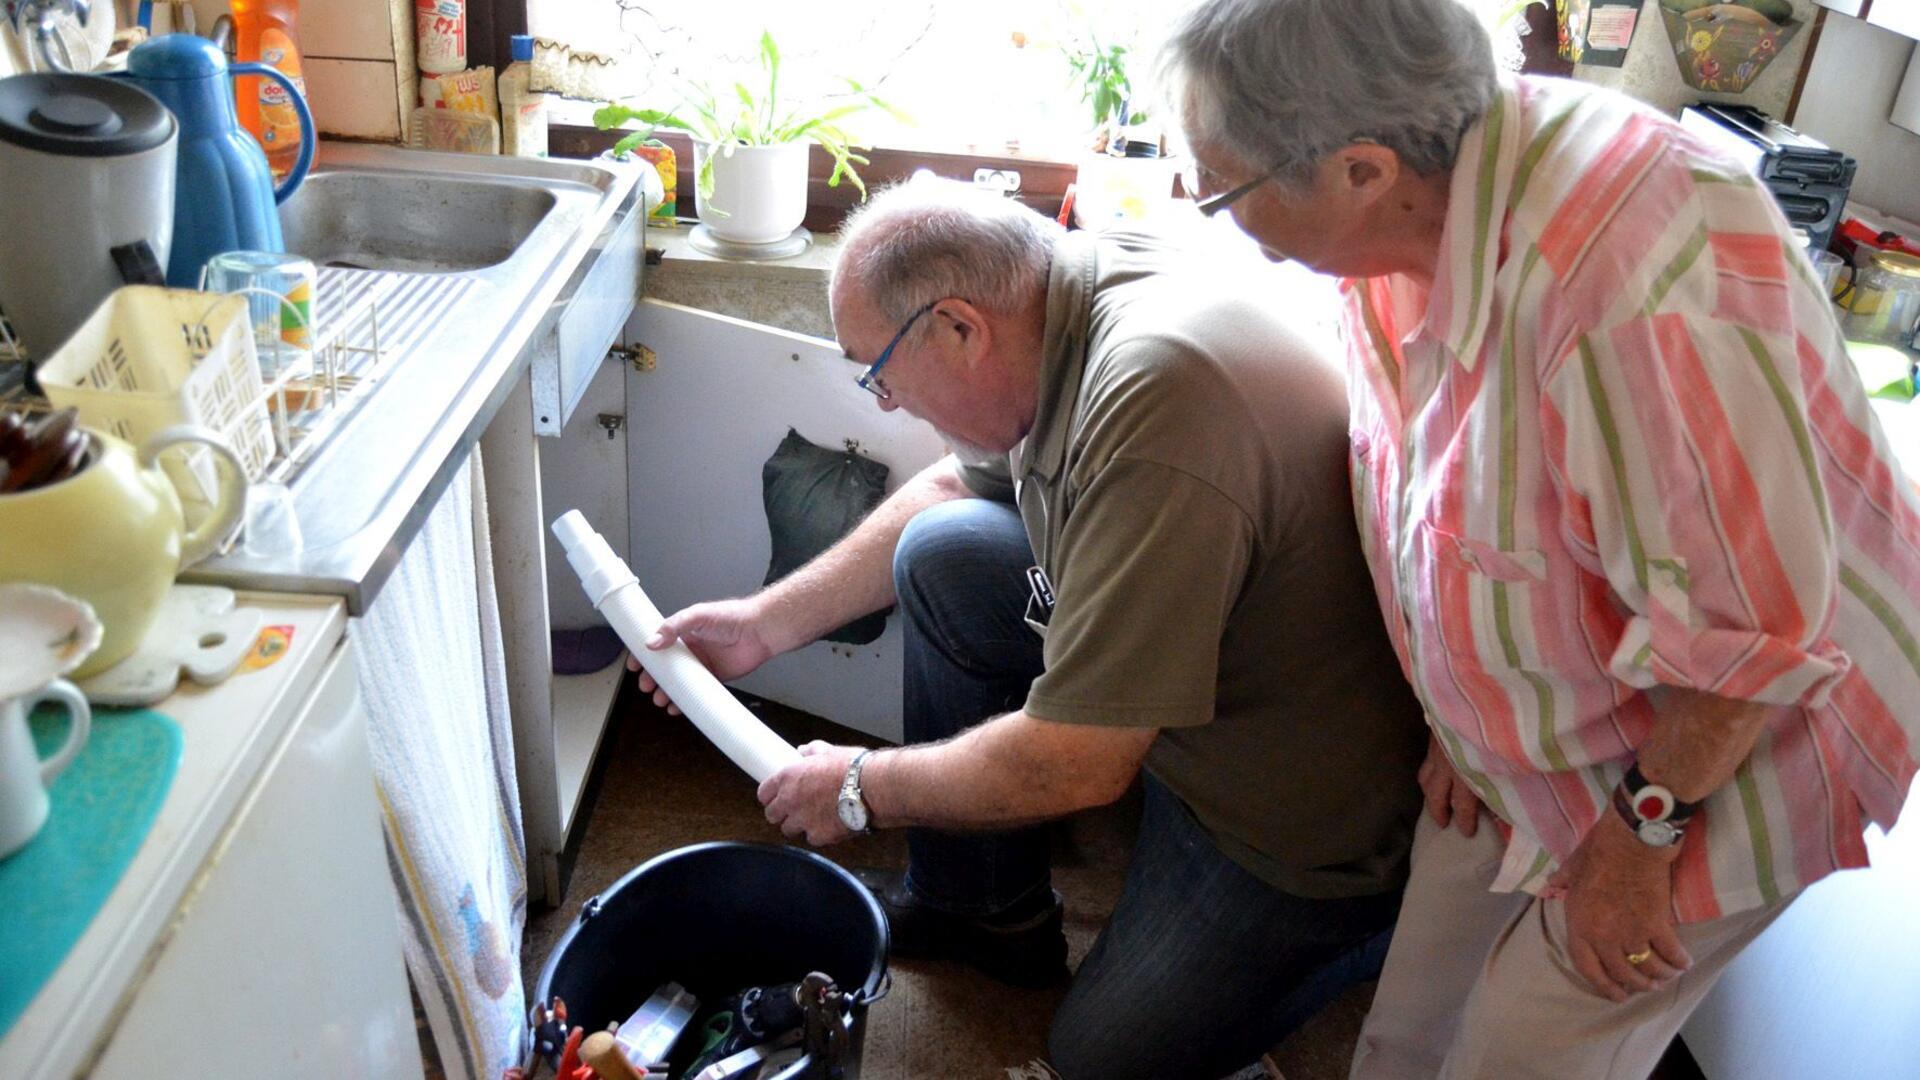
642 358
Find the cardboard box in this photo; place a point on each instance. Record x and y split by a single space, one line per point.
1722 51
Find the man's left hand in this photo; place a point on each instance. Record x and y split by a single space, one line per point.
1619 897
803 799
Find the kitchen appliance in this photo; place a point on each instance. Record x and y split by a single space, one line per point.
87 168
62 35
114 535
225 198
1809 180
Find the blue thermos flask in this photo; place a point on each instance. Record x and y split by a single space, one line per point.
224 198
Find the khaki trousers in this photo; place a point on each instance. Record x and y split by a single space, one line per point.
1478 984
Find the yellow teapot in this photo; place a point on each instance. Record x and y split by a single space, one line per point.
113 533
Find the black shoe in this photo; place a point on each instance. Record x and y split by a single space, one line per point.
1023 947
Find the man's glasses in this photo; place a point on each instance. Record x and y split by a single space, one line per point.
869 379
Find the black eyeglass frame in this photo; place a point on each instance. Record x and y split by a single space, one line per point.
1208 207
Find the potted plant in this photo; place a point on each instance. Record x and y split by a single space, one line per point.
750 154
1123 176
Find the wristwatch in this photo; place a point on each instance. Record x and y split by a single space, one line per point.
1651 811
853 805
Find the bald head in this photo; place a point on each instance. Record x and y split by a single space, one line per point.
932 239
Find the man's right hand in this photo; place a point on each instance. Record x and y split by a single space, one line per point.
1449 799
728 636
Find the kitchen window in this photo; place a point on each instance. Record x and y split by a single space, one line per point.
985 83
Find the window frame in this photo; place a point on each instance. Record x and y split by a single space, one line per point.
1043 181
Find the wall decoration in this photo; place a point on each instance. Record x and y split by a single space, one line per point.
1596 32
1722 48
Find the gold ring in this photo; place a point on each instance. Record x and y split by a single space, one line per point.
1641 957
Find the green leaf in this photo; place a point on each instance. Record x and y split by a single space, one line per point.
1900 389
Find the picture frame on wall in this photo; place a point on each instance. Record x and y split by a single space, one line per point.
1596 32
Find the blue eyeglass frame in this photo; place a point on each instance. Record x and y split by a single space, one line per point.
869 380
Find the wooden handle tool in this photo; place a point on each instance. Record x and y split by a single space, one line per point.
604 1054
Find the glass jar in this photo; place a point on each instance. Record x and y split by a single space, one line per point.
1886 299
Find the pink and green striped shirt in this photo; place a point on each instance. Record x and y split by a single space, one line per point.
1615 447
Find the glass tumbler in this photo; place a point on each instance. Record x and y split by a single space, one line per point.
279 290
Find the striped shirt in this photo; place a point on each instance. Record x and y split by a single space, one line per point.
1616 446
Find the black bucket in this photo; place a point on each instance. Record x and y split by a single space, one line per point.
718 918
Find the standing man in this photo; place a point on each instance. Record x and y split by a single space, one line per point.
1642 548
1178 589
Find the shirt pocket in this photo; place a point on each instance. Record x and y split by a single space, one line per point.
1481 597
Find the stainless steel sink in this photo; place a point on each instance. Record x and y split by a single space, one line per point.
470 262
412 222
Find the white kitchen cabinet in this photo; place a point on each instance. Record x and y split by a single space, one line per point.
1899 16
256 931
285 958
716 397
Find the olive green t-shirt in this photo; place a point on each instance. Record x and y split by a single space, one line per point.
1185 490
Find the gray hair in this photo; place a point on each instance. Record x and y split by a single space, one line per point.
929 239
1283 83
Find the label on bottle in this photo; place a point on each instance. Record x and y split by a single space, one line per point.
440 32
296 316
279 121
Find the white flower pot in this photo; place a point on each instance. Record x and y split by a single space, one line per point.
759 191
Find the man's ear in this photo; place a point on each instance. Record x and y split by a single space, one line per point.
964 320
1365 172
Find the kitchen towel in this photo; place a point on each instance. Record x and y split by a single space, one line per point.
433 675
101 809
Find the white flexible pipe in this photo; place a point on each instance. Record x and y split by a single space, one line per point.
617 595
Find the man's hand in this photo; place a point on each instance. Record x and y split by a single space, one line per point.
729 636
803 799
1449 799
1619 897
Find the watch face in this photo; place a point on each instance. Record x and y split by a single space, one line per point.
1652 833
853 815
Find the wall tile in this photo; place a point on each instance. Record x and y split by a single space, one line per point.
354 98
348 29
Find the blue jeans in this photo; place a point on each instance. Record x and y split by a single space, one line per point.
1203 966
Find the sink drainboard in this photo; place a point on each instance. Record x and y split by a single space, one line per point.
409 307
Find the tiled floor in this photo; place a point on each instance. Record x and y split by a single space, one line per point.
666 787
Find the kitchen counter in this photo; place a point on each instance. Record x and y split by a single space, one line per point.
272 760
363 496
788 293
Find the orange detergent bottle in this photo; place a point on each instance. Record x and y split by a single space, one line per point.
264 32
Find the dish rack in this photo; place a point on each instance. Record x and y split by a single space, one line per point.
153 357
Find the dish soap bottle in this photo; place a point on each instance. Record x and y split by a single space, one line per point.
523 113
264 32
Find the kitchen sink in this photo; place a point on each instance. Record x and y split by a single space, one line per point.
446 280
411 222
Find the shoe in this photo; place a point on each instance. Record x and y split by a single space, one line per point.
1022 947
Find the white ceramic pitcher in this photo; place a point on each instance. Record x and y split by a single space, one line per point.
44 634
23 775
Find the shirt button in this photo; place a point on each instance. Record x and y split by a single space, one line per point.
1362 443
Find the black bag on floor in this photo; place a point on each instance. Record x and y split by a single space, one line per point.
814 496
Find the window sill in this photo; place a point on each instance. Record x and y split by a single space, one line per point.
1043 184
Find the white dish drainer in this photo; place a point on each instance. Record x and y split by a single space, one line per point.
303 403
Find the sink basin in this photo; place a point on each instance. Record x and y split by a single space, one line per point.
450 280
421 224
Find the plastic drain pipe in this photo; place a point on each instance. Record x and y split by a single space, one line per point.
616 594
